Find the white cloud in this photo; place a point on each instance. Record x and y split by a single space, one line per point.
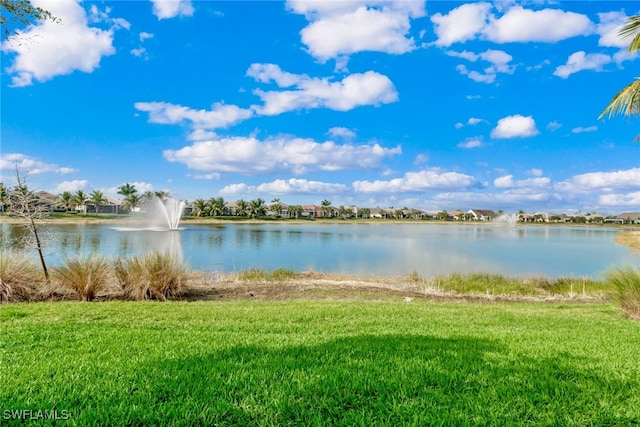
421 158
342 28
461 24
499 63
610 25
300 186
473 142
535 172
475 20
250 156
432 179
52 49
235 190
554 125
620 200
144 36
31 165
220 115
516 126
581 129
474 121
579 61
139 52
341 132
207 176
369 88
164 9
72 186
507 181
266 73
546 25
602 181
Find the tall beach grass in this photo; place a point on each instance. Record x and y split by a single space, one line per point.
155 275
19 276
626 284
86 276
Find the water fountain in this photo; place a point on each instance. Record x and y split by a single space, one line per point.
165 213
506 219
157 215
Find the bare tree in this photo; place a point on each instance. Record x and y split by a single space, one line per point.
31 208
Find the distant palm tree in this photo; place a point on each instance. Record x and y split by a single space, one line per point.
97 199
199 207
162 195
81 199
257 208
627 101
65 199
127 189
276 207
326 207
242 208
147 196
296 210
132 201
217 206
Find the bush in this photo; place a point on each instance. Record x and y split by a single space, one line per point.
86 276
19 276
626 285
155 275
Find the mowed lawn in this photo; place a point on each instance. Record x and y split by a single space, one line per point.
320 363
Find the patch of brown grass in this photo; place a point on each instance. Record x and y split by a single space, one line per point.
19 277
87 276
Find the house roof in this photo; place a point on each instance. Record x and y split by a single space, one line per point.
483 212
629 215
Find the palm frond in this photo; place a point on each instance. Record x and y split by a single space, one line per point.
632 29
626 102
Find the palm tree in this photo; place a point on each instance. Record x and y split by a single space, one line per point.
127 189
242 208
257 208
199 207
162 195
217 206
65 199
326 207
296 210
132 201
81 200
147 196
96 198
276 207
627 101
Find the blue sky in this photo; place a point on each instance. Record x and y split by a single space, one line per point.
432 105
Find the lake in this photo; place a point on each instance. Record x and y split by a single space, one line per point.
385 249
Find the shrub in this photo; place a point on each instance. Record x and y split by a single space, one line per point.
626 287
155 275
85 275
19 276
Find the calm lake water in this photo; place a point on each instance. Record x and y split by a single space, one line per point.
368 249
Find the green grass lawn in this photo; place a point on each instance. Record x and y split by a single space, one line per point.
320 363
